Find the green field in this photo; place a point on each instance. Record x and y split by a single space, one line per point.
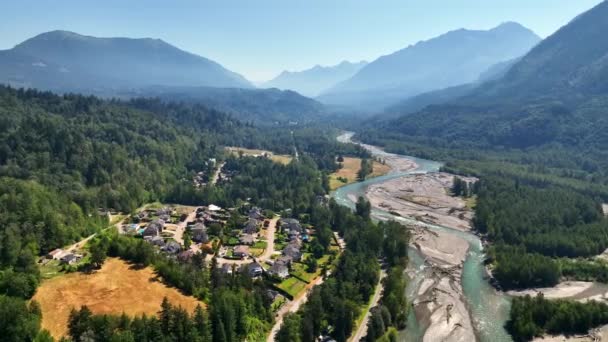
292 286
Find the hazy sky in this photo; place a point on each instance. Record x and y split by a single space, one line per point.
260 38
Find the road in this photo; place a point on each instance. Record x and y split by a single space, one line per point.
292 306
270 231
216 175
268 252
362 329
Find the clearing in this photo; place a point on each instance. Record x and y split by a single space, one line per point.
350 167
277 158
116 288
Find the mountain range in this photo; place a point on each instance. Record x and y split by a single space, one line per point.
313 81
67 61
454 58
555 94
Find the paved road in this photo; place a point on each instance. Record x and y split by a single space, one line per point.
268 252
292 306
362 329
270 231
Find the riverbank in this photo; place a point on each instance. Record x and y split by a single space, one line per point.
582 291
439 303
424 197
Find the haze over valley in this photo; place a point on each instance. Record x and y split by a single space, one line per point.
314 172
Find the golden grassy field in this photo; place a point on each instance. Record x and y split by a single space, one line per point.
114 289
277 158
349 170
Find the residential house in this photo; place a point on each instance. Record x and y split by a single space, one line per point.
251 227
256 213
70 258
186 256
56 254
172 247
285 260
199 233
247 239
293 252
279 269
241 252
151 231
157 241
254 270
227 268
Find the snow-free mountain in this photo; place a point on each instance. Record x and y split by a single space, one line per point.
454 58
313 81
67 61
556 94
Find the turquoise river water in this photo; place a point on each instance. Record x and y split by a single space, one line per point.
489 309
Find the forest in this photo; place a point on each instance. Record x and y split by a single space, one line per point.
333 306
67 159
535 316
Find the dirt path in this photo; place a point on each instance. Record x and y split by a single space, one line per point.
362 329
216 175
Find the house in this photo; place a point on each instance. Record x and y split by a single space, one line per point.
290 224
56 254
157 224
256 213
70 258
227 268
285 260
165 218
247 239
251 227
254 270
150 231
272 294
241 251
172 247
213 207
199 233
186 256
157 241
279 269
293 252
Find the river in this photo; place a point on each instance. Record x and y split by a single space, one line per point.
489 309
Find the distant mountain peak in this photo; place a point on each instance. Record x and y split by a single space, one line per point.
109 64
313 81
453 58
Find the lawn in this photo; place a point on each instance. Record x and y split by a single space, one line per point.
260 245
349 170
277 158
292 286
114 289
299 270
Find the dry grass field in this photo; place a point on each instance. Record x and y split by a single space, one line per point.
114 289
277 158
349 170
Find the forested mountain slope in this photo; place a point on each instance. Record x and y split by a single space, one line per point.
452 59
67 61
556 94
260 106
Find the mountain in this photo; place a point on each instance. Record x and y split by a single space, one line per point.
261 106
67 61
455 58
556 94
418 102
313 81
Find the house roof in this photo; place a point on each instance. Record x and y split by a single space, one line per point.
246 239
241 249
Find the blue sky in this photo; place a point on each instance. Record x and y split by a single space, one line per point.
260 38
